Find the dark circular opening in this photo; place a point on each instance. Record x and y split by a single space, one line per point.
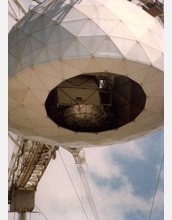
95 102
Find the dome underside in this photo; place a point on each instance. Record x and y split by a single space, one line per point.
58 40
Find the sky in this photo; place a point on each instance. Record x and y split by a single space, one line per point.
122 179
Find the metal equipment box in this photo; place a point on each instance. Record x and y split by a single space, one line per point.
22 200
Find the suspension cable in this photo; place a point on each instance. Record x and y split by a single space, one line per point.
73 185
156 187
41 212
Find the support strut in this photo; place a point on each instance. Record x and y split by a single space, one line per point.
79 157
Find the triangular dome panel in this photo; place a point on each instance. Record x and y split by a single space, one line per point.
79 64
108 48
76 49
21 65
25 77
36 83
74 27
73 15
16 37
139 76
92 43
17 50
27 28
158 31
124 45
122 30
12 104
159 91
93 66
53 69
49 81
154 104
36 111
159 62
44 34
32 114
89 11
31 45
152 74
105 13
151 87
45 54
149 39
40 94
18 95
159 41
150 120
43 23
152 53
136 53
91 29
133 67
31 99
12 60
136 30
30 59
34 17
108 63
15 84
107 25
18 114
60 34
22 123
69 71
59 48
119 67
127 16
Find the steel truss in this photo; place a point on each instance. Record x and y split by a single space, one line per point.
79 157
28 163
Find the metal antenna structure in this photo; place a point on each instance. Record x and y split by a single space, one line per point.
28 163
79 157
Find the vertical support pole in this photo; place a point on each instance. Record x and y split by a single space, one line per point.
22 216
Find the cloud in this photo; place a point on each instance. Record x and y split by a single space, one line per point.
131 151
100 163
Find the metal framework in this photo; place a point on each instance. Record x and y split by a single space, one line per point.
22 216
13 13
20 6
28 163
37 1
79 157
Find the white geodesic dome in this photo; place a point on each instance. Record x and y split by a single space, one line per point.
58 40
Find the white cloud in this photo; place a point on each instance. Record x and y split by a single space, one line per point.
100 163
130 150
